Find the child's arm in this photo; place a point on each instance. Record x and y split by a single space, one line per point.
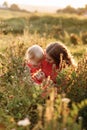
39 75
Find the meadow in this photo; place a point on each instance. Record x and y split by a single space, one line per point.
22 106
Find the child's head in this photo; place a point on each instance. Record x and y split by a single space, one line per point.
34 54
54 51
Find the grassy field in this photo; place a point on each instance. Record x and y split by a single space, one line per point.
22 105
6 40
6 14
46 22
50 27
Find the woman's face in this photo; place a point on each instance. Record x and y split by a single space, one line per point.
49 59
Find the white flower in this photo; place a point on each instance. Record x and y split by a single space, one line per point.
66 100
24 122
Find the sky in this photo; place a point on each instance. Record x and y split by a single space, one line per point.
58 3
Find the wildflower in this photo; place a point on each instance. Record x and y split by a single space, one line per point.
12 77
80 118
13 129
66 110
24 122
49 111
11 96
66 100
12 120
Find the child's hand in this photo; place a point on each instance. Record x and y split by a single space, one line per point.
39 75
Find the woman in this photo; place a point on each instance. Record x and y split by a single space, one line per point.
57 57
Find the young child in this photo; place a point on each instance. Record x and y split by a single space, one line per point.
34 57
40 68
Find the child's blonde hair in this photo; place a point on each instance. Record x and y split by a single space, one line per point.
34 50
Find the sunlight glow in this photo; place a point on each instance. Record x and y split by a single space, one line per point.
58 3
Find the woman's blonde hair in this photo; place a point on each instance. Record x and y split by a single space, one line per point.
34 50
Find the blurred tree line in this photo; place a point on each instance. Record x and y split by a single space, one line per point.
68 9
72 10
13 7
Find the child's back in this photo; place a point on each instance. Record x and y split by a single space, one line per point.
49 69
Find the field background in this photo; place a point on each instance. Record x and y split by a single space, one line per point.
20 99
50 27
